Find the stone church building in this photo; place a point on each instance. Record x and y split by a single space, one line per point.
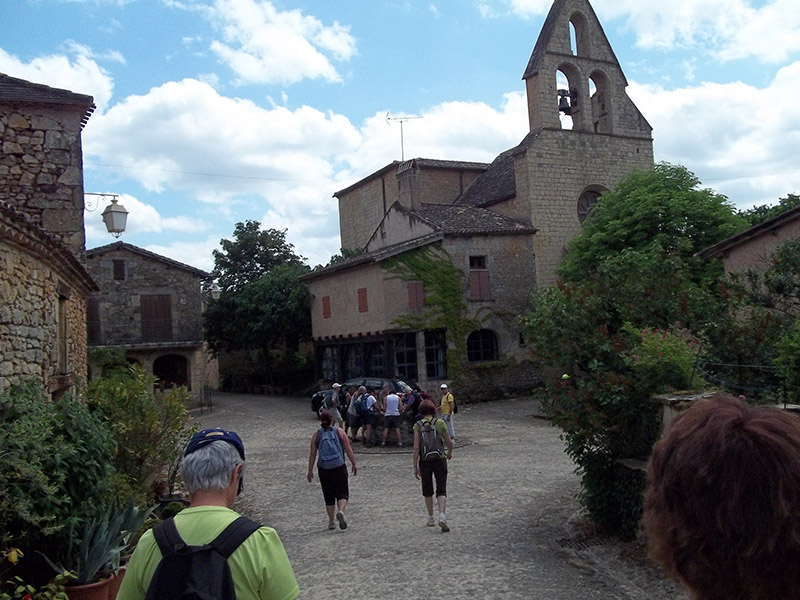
503 226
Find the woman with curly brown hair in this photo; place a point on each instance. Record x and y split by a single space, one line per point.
722 506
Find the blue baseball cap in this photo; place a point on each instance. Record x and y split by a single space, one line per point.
201 438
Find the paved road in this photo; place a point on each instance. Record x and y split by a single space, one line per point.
511 509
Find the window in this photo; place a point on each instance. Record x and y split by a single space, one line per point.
481 346
436 354
416 294
352 362
405 356
376 358
94 331
156 318
62 334
362 300
478 279
328 364
119 269
326 307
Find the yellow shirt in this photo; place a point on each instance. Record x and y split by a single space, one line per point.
259 567
447 403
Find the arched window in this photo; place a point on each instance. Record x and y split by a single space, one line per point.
481 346
569 91
577 35
588 199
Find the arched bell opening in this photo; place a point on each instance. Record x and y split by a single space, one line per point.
600 100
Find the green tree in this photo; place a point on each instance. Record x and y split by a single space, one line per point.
250 255
632 272
262 305
759 214
661 209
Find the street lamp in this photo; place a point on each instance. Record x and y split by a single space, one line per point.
114 216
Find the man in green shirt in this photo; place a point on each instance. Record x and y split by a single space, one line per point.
212 469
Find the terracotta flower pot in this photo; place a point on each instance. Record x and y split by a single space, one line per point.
91 591
116 581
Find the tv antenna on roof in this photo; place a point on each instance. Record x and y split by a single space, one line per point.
402 120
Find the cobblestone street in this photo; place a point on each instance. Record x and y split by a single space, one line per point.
511 508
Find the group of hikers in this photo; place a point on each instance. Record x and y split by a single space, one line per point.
359 408
432 446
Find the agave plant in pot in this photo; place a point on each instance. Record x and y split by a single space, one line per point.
93 556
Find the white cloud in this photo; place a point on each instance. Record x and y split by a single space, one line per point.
726 29
196 254
186 135
726 134
262 44
78 73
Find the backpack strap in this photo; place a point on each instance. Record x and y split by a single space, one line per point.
233 535
167 536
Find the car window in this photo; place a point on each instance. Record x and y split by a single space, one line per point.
374 383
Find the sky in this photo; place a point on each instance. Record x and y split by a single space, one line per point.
214 112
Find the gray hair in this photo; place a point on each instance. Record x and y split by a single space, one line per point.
210 467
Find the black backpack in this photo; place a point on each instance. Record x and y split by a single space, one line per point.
196 572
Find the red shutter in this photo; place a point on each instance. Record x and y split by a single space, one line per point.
362 300
416 294
326 307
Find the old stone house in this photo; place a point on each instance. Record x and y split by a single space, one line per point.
151 307
504 226
753 248
43 280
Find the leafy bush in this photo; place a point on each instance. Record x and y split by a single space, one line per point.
55 466
601 403
788 361
146 424
665 357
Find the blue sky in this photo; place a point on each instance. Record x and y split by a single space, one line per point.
211 112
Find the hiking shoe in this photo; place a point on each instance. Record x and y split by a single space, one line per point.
331 525
400 444
431 521
443 524
383 444
340 518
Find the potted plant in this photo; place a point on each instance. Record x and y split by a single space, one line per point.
94 557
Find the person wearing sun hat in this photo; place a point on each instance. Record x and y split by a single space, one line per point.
212 468
447 407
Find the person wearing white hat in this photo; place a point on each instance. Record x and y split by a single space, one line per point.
447 406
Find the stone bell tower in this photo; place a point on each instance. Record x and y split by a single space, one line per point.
585 133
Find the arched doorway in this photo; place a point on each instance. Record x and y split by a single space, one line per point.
171 370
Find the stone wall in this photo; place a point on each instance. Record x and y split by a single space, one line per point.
41 284
41 168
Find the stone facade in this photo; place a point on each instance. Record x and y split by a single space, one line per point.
151 307
43 282
504 225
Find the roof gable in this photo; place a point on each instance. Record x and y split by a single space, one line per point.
123 246
14 90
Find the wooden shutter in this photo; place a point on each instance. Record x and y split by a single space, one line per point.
416 294
479 285
362 300
156 318
94 331
326 307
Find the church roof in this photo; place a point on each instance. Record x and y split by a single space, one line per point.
463 220
15 90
